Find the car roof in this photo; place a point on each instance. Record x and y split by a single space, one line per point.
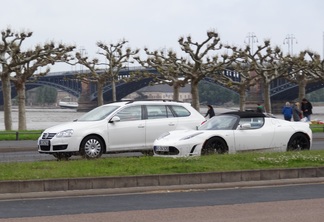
245 114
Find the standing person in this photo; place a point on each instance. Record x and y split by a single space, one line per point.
297 113
287 111
210 111
307 107
259 108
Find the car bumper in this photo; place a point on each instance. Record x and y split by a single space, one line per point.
177 150
55 145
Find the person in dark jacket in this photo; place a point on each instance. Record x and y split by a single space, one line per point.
307 107
210 111
287 111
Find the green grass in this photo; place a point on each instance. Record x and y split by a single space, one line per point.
20 135
129 166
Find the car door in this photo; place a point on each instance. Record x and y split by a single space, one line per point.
129 132
258 136
159 119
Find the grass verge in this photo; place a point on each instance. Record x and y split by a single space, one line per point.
130 166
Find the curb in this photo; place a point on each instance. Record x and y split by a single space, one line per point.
82 186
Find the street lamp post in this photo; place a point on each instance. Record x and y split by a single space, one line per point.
289 40
251 37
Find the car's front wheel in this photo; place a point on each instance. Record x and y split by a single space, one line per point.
297 142
214 145
92 147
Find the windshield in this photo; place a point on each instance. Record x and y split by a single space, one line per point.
98 113
223 122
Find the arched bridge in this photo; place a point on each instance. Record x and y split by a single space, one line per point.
281 89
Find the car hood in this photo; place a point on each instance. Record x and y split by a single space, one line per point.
71 125
181 134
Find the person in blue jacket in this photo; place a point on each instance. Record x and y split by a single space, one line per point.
287 111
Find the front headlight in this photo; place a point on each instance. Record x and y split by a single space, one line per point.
65 133
191 136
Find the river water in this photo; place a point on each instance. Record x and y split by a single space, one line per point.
38 119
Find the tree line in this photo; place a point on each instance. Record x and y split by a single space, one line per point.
199 60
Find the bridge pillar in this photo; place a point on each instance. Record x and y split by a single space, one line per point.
254 96
85 103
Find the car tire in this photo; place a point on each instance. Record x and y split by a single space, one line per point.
92 147
214 145
297 142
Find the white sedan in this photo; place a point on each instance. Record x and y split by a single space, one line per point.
234 132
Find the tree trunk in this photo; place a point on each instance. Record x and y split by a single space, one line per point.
176 89
195 94
6 91
301 89
242 98
100 93
113 88
267 101
20 87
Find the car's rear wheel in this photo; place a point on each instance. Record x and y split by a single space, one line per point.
92 147
214 145
298 141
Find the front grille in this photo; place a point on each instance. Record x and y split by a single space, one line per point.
172 151
48 135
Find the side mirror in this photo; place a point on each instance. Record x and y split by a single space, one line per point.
114 119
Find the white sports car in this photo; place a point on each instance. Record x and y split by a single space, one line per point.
236 132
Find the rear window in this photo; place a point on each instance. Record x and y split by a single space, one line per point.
180 111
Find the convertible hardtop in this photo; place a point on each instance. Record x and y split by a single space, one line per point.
246 114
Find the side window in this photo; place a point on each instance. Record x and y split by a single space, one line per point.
180 111
157 111
130 113
256 122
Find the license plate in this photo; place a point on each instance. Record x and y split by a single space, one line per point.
162 148
44 142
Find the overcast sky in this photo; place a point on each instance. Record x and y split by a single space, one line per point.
159 24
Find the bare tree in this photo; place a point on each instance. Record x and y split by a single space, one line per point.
28 64
168 68
96 75
199 64
10 41
304 69
103 72
266 63
116 59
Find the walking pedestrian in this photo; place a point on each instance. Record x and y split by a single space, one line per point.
210 111
287 111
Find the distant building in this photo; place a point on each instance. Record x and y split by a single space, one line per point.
160 92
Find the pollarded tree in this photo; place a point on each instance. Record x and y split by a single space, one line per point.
266 63
27 65
168 68
9 41
96 75
103 72
117 57
199 64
